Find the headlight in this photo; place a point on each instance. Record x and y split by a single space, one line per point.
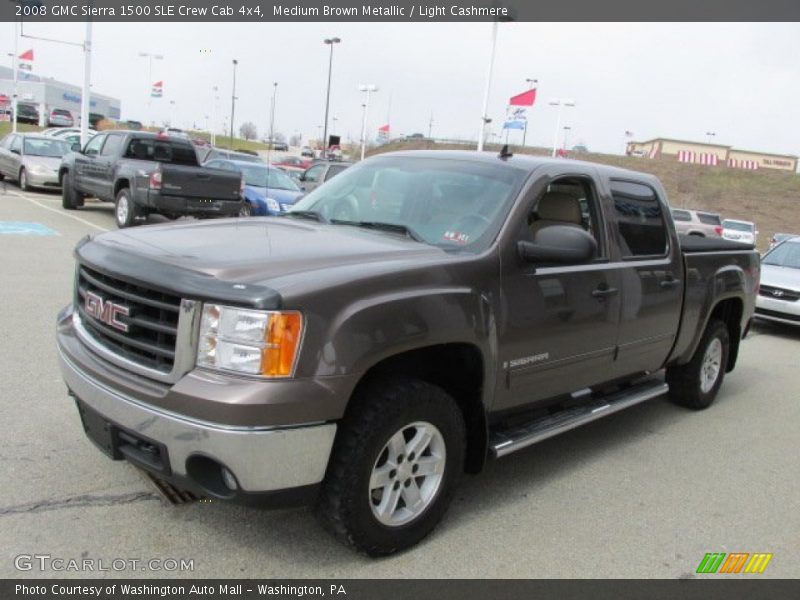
258 342
273 205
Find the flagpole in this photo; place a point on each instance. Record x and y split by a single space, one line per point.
14 94
484 116
86 96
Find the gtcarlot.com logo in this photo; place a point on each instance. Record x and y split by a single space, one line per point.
735 562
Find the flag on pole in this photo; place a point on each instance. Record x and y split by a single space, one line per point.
26 58
158 90
628 134
523 99
517 110
383 134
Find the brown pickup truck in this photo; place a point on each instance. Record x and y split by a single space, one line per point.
418 314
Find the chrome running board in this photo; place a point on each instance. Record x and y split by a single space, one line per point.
506 441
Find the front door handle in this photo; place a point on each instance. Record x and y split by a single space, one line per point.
604 292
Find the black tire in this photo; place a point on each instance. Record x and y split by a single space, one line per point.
22 178
686 382
383 409
125 210
70 199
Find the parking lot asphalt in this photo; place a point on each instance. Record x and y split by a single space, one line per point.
643 493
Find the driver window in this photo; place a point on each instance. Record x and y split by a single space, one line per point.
570 202
93 147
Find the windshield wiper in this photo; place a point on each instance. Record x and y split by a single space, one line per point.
306 214
392 227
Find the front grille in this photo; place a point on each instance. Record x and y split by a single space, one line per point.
152 320
782 293
778 315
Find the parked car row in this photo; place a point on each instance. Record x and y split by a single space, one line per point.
32 159
707 224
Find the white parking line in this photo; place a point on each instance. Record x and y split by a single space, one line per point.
55 210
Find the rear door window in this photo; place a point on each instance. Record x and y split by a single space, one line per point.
709 218
640 220
165 151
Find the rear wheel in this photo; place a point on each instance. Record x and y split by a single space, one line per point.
125 211
396 462
695 384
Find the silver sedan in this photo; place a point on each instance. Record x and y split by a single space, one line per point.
779 295
32 159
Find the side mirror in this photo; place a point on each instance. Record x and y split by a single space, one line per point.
76 147
302 177
561 244
15 151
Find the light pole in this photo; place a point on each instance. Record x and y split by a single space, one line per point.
368 88
233 103
272 114
212 131
560 103
567 129
150 58
484 117
172 113
15 93
330 42
709 135
532 83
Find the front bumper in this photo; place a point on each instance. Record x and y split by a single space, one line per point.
779 311
282 462
44 180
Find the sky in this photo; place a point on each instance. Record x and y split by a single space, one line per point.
739 81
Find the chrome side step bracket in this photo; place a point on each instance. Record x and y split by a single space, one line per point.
506 441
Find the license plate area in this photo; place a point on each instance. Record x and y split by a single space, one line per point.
121 444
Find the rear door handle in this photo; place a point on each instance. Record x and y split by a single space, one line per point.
669 283
604 292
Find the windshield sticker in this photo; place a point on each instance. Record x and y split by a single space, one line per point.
456 236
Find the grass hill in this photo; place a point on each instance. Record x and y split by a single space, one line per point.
769 198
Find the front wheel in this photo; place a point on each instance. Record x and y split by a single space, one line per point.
396 462
695 384
125 212
23 180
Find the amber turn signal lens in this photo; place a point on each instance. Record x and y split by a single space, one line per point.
282 342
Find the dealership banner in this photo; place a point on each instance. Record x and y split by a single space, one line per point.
261 11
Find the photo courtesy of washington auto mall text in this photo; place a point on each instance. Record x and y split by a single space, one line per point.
399 300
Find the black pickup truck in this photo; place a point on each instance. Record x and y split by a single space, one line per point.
418 314
146 173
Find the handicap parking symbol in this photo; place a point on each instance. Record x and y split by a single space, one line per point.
23 228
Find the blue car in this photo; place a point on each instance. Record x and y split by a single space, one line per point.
267 190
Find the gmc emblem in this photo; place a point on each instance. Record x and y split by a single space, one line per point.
106 311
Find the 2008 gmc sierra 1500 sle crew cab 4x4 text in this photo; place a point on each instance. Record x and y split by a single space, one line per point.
416 315
146 173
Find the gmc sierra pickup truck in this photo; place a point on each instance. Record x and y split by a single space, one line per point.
418 314
145 173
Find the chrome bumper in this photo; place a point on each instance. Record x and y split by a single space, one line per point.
262 459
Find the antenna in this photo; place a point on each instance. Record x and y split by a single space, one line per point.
505 152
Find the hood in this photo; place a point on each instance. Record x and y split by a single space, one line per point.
51 163
282 196
252 260
782 277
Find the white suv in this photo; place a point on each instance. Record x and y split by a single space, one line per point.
739 231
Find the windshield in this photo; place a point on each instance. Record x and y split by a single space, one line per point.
44 147
785 255
738 226
256 175
444 202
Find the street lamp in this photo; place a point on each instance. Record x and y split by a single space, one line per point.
214 103
532 83
567 129
368 88
709 135
330 42
172 113
560 103
233 103
485 120
150 58
272 113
